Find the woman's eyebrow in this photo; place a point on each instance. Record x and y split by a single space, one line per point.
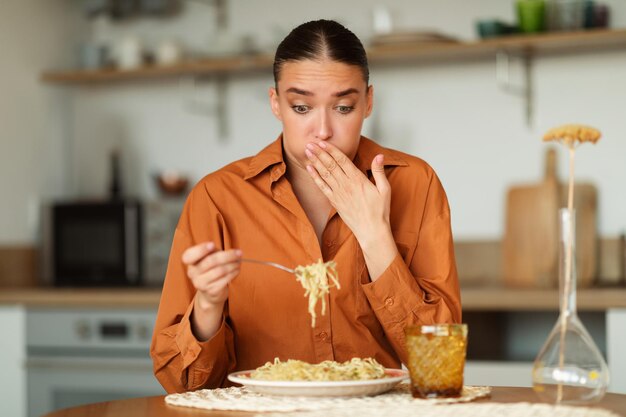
299 91
309 93
346 92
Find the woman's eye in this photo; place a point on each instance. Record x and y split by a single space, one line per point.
300 108
345 109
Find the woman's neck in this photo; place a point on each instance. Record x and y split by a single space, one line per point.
311 198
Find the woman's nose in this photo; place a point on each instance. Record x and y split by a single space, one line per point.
323 129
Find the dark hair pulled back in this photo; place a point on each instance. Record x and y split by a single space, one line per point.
321 39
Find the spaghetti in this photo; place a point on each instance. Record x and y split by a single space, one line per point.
314 279
295 370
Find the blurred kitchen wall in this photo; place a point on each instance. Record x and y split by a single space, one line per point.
34 119
451 114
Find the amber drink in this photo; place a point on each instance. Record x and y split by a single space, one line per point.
436 355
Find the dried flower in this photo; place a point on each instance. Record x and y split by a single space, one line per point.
572 133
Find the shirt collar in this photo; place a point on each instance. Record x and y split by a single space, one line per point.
368 149
272 155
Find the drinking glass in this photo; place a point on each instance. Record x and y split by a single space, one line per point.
436 355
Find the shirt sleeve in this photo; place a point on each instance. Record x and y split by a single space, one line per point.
425 290
181 362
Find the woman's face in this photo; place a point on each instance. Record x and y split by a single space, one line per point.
320 101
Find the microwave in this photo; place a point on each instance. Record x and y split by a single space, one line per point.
93 243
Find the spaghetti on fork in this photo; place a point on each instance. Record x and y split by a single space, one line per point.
315 280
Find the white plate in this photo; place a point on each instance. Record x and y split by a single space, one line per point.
321 388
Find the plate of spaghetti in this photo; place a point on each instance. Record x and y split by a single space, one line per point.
356 377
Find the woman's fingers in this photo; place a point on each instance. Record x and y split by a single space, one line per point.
214 292
327 160
378 172
209 268
359 202
346 165
215 265
218 259
196 253
322 185
325 165
216 271
216 287
330 168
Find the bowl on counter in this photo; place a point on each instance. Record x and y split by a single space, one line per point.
171 183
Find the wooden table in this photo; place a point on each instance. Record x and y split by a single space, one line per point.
156 407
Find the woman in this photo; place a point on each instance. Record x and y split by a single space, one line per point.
320 190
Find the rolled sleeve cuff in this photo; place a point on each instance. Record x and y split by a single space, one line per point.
394 291
192 350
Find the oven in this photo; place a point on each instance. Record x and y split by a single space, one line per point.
76 357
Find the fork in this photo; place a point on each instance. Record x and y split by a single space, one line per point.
274 264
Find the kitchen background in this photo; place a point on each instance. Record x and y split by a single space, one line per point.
56 141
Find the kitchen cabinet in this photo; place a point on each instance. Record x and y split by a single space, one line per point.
503 344
498 373
616 343
13 360
79 355
15 382
56 354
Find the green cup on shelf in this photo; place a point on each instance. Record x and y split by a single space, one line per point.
531 15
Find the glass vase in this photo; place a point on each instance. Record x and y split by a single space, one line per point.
569 368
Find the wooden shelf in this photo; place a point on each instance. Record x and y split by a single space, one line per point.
221 66
549 43
539 44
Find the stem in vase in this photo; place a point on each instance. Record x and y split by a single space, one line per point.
568 267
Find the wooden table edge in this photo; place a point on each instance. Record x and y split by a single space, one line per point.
155 406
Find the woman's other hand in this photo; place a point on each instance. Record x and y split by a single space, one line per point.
363 206
210 271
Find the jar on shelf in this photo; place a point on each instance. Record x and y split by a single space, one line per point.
565 15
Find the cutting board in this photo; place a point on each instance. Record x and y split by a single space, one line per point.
586 205
531 241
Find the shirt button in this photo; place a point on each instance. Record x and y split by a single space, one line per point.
389 302
323 335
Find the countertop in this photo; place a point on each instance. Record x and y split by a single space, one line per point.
81 297
473 298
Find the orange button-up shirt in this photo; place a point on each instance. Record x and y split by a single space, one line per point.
250 205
